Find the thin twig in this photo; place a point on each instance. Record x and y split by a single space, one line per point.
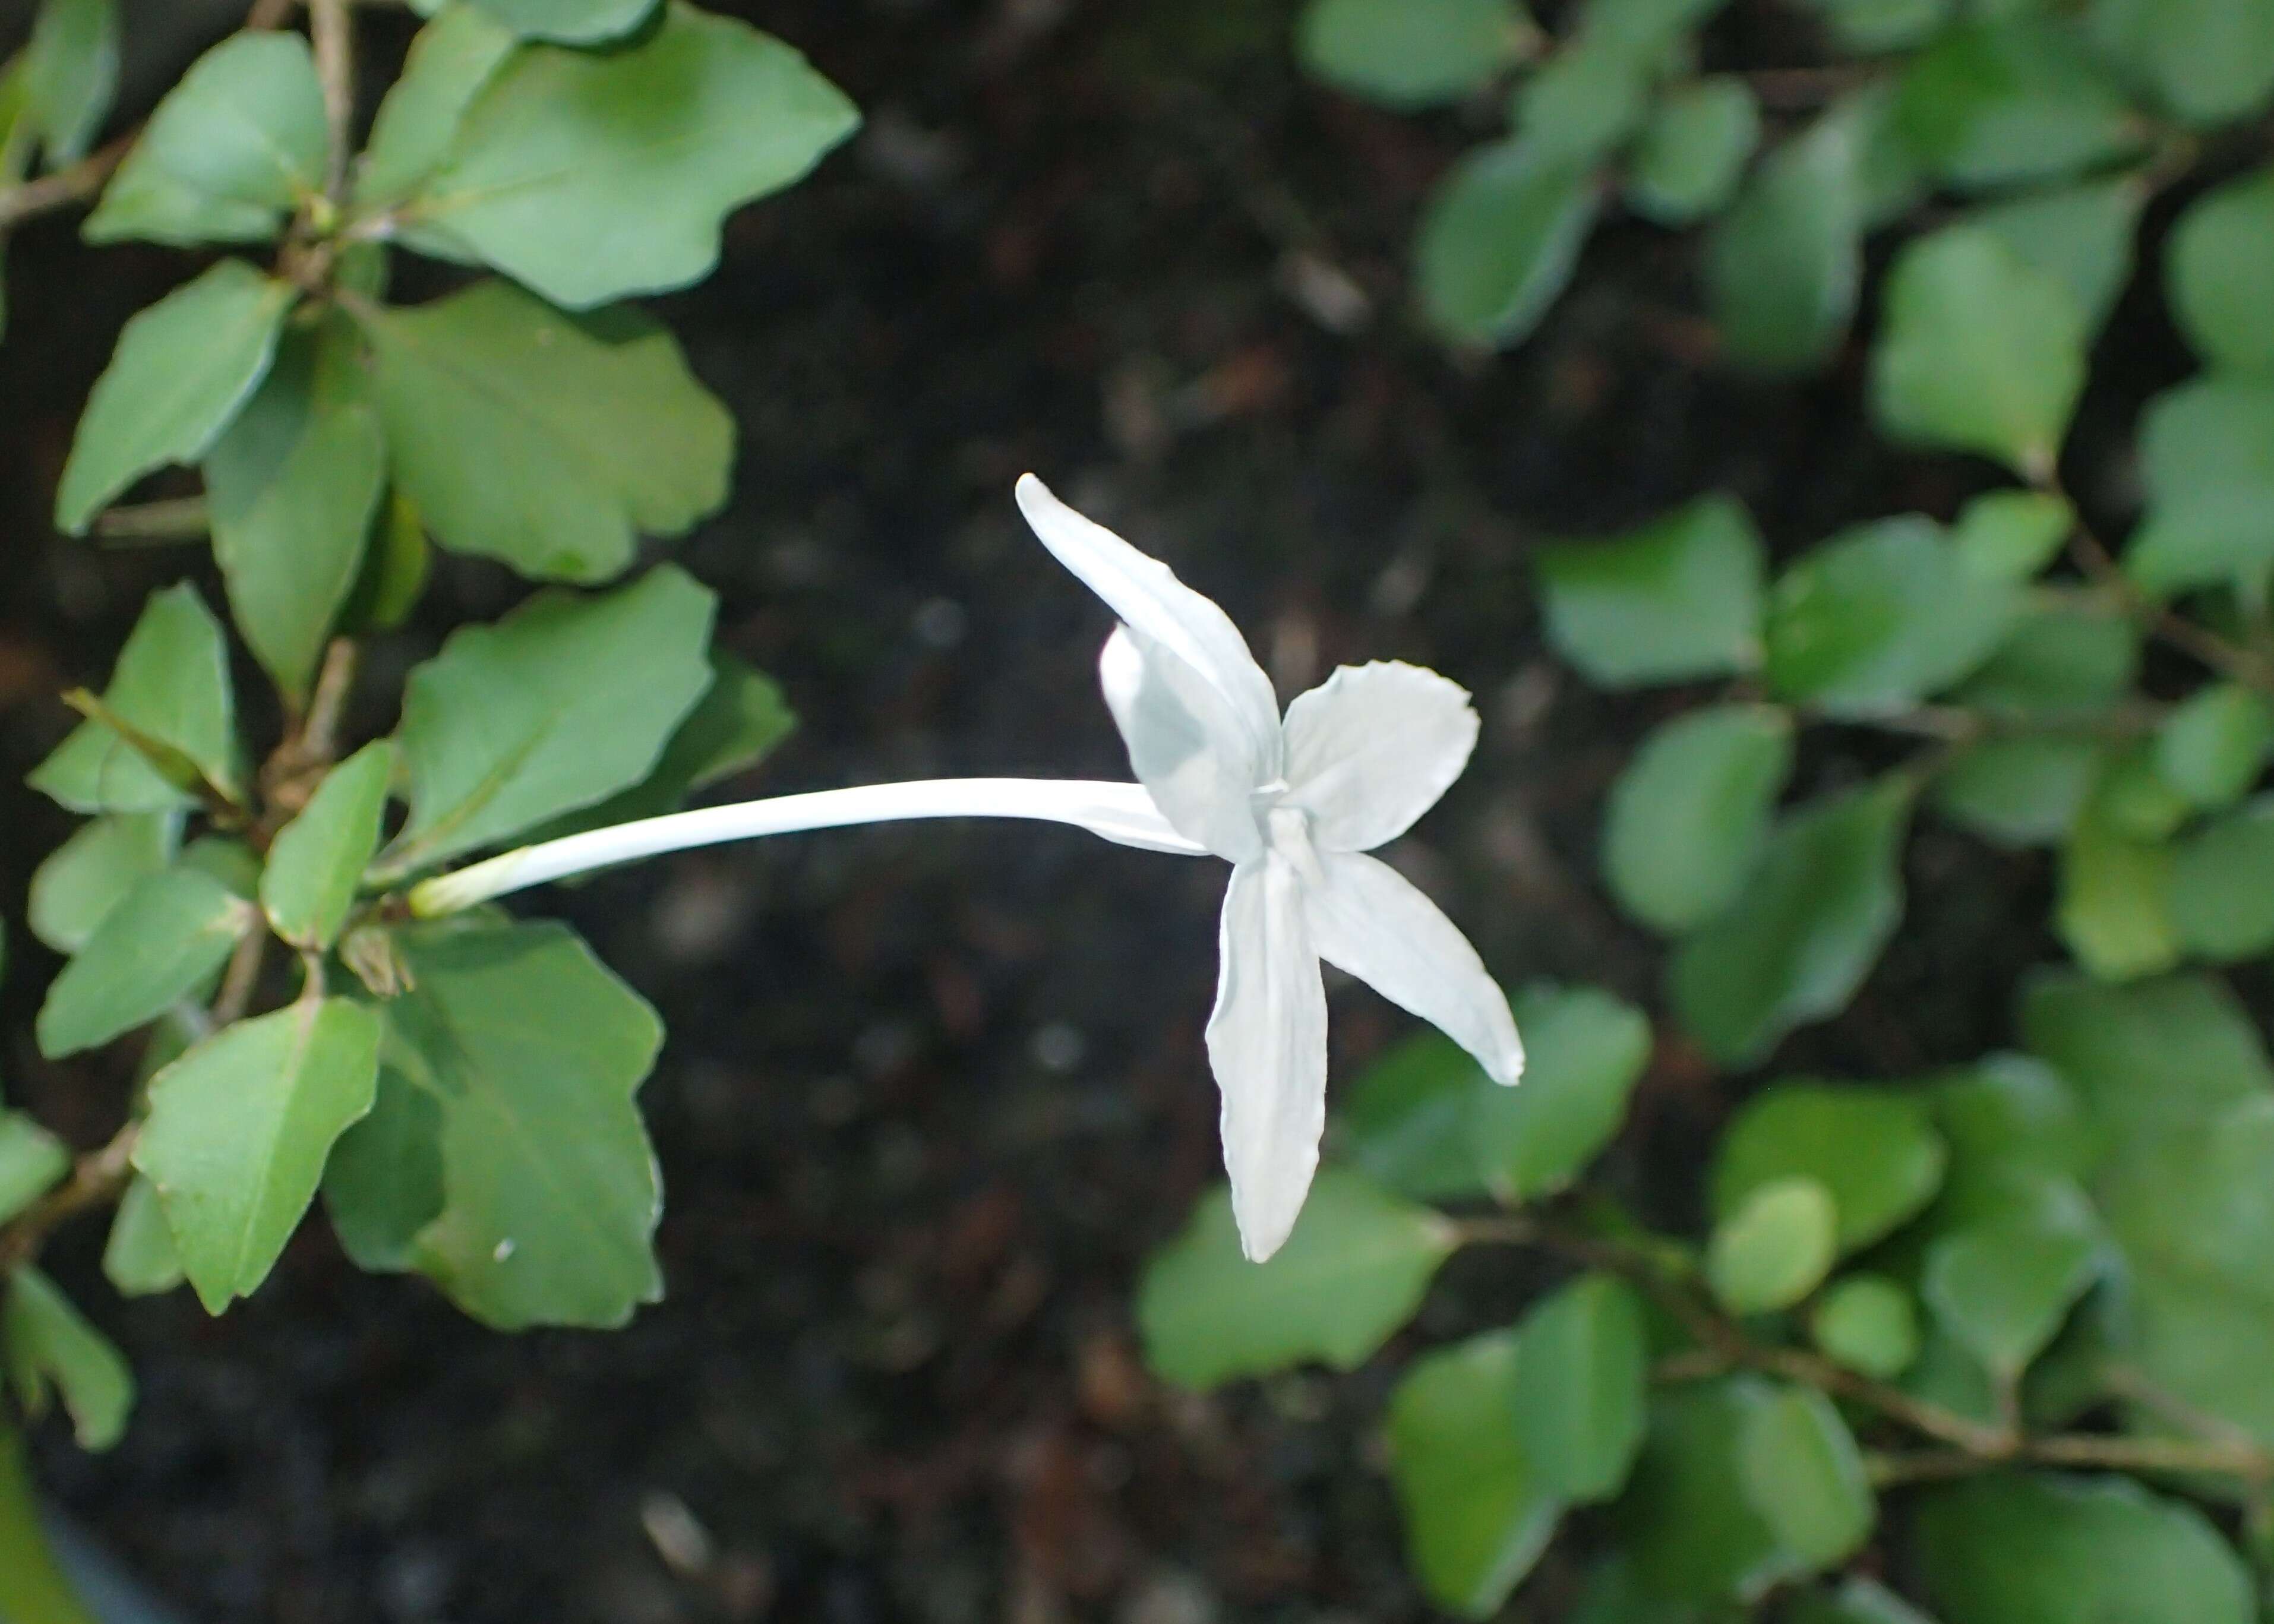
2229 660
332 28
181 518
73 184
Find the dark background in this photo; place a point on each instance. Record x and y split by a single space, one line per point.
932 1094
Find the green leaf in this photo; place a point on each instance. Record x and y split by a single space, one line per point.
74 890
1866 1322
1477 1516
546 441
2011 535
51 1347
71 74
2207 460
32 1161
563 703
234 147
1690 814
239 1131
163 939
1688 1523
534 1054
1875 1151
1350 1276
2220 263
170 687
2022 791
451 61
2007 1115
1582 1378
2213 746
1410 53
574 22
1648 29
2058 1550
317 859
1867 27
1806 931
183 369
1858 1600
397 559
2207 60
2005 102
384 1183
1784 266
1804 1476
1499 242
140 1259
1585 1051
293 487
2082 236
1693 152
2222 881
2066 660
2114 911
2156 1054
590 176
1774 1248
2002 1284
1981 351
1882 616
1677 599
1584 101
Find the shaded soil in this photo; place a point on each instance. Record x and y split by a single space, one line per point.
931 1095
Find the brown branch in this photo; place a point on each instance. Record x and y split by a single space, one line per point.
73 184
2099 566
332 29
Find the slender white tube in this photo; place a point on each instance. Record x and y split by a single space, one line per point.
1123 812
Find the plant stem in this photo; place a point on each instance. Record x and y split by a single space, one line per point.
2099 565
332 30
37 1591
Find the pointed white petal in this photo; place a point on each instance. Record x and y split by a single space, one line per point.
1267 1043
1146 594
1371 748
1183 745
1368 919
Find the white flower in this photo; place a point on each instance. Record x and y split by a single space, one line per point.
1292 806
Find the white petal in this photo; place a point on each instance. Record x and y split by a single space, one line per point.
1372 747
1146 594
1366 920
1182 744
1266 1043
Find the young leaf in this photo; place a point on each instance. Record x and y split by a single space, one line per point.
573 22
2060 1549
1687 1521
2207 60
1690 814
1677 599
1774 1249
547 442
140 1259
172 688
588 176
1410 53
234 147
2080 236
2220 266
163 939
1804 1476
2010 100
1499 242
1582 1378
74 890
1477 1516
183 369
2114 911
1874 1150
1350 1276
2002 1283
1694 150
2222 885
317 859
71 73
566 701
1785 264
2207 459
450 61
239 1130
32 1159
1981 351
1866 1322
1797 942
50 1346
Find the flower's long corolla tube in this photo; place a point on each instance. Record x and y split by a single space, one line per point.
1292 803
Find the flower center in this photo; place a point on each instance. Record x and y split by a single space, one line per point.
1288 831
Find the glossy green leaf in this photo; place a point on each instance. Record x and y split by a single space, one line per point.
2056 1550
564 702
2222 885
2022 791
1981 351
182 371
234 147
1803 1475
2220 263
452 59
1690 814
1584 101
1477 1516
71 73
1350 1276
1582 1380
2206 60
2213 744
1410 53
1810 924
1677 599
2082 236
32 1159
1882 616
162 942
2144 1057
317 860
1784 266
140 1259
1687 1523
1866 1322
546 441
1773 1248
590 176
50 1348
2011 535
2207 459
575 22
1874 1150
2113 907
2002 1284
1693 152
2002 103
172 687
1499 242
78 884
